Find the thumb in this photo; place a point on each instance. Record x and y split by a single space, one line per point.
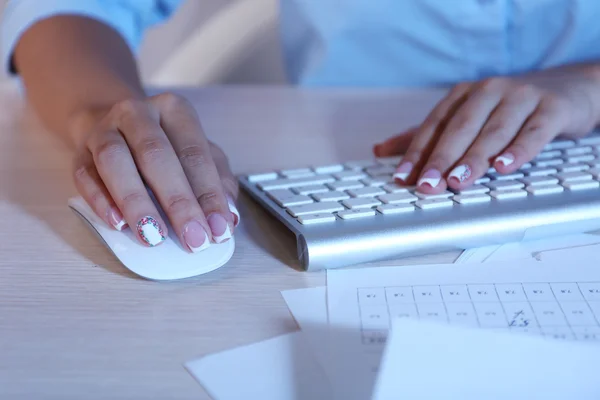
395 145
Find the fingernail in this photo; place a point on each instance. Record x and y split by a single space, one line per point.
150 231
219 227
403 170
432 178
116 219
461 173
505 159
234 210
195 236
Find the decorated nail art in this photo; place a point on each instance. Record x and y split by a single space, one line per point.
505 159
149 230
431 178
403 170
462 173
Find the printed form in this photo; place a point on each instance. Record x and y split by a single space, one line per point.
543 298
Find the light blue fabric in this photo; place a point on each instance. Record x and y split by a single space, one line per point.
378 42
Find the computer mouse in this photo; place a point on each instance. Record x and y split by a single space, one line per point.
168 261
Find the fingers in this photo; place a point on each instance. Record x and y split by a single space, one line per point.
118 171
458 135
546 122
427 133
92 189
395 145
497 133
180 122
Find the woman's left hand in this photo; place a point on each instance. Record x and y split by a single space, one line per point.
499 122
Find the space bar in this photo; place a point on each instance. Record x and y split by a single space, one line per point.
315 208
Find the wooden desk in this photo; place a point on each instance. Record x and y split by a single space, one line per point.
75 324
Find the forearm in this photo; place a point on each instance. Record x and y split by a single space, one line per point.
74 69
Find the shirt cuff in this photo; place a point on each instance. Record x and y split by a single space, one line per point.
20 15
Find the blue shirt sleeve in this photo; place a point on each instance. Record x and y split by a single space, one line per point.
130 18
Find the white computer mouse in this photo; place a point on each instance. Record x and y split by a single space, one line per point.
168 261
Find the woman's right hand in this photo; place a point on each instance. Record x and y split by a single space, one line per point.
157 143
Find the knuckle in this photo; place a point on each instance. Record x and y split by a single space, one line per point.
495 128
178 204
151 150
129 107
95 199
230 186
462 120
492 84
135 197
524 91
208 198
538 125
193 157
169 101
81 172
107 151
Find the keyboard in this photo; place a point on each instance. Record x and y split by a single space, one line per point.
351 213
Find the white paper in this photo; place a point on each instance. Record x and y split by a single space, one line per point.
281 368
543 298
516 250
426 360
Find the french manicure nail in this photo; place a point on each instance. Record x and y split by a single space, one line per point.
219 227
116 219
234 210
403 170
432 178
195 236
461 173
505 159
150 231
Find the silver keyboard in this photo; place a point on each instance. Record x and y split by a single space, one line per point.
351 213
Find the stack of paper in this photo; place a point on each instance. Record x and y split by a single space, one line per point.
522 322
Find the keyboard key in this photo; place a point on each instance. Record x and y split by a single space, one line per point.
549 162
310 219
577 151
381 170
349 175
395 188
356 213
434 203
549 154
330 196
388 209
545 189
377 181
310 189
503 177
559 145
483 179
366 192
526 166
294 182
267 176
345 185
540 171
474 198
360 202
297 173
574 176
581 185
572 167
329 169
505 185
474 189
395 198
444 195
357 165
280 194
293 200
539 180
589 140
508 194
583 158
315 208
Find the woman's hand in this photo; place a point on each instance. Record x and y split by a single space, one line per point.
159 144
499 122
